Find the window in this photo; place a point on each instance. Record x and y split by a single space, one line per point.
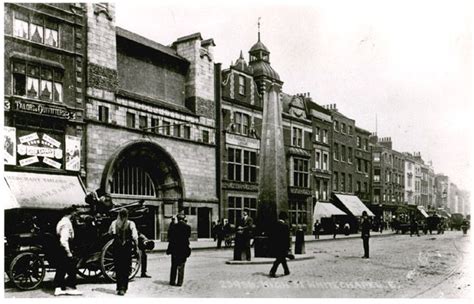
336 126
343 128
155 125
358 142
317 159
130 120
237 205
187 132
317 188
142 122
242 168
335 183
166 127
325 191
297 139
387 176
177 130
376 156
131 180
350 130
343 182
358 187
35 81
241 85
300 172
336 151
317 136
349 183
343 153
366 187
325 136
36 29
205 136
376 175
349 155
366 144
241 123
297 213
359 165
103 114
325 161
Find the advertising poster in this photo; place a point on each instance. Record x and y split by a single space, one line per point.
39 149
9 146
73 153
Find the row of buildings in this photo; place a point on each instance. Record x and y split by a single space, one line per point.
89 103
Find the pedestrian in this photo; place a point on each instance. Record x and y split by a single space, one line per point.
213 230
316 229
414 228
170 227
179 249
382 223
336 228
280 240
219 233
365 234
65 264
125 241
247 225
144 244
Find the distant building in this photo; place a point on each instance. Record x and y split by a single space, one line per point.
363 165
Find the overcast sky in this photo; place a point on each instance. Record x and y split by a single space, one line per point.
407 62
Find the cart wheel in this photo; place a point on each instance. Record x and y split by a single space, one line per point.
107 262
27 270
89 269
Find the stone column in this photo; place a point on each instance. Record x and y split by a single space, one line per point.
273 195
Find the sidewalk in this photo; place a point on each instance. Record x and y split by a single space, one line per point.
202 244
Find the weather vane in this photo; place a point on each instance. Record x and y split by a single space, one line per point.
259 27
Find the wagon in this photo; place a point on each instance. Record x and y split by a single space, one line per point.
31 244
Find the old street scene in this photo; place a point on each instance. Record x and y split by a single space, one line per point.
290 150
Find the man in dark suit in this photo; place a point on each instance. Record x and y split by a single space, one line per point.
178 247
247 225
365 234
280 240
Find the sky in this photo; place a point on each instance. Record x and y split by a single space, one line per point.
401 68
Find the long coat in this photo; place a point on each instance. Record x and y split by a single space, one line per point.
280 239
365 231
179 241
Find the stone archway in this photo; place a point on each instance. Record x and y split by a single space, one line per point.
144 170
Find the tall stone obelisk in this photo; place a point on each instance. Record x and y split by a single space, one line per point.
273 195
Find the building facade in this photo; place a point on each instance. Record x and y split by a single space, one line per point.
363 165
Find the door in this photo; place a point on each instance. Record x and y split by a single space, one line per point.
204 222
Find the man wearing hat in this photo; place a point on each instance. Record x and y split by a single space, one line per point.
365 234
178 247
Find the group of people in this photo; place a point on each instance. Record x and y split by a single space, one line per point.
126 241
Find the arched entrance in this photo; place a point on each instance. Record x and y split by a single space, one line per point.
144 170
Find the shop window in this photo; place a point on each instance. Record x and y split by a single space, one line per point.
297 213
35 81
237 205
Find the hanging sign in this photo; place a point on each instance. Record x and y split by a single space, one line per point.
73 153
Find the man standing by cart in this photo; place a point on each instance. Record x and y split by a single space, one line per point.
65 261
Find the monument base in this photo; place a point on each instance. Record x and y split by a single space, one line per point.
262 247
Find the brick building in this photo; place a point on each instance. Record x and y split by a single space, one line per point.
44 56
363 165
150 122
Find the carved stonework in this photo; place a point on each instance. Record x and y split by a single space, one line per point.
300 191
102 77
252 92
232 93
239 186
103 8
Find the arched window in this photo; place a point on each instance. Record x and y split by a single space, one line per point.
130 180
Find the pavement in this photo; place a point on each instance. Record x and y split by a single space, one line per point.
203 244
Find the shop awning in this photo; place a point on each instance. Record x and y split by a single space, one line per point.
7 197
422 210
353 204
443 213
44 191
326 210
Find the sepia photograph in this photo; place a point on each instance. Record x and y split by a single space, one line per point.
246 149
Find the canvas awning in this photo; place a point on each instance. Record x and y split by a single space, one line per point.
44 191
7 197
422 210
325 210
353 204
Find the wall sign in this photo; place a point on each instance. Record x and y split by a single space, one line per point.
73 153
43 109
243 141
39 149
9 145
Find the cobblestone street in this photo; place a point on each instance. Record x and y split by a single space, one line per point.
400 266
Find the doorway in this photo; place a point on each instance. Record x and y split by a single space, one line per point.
204 222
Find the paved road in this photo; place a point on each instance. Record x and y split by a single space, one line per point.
400 266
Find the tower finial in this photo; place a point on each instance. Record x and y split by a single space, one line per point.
241 55
259 28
